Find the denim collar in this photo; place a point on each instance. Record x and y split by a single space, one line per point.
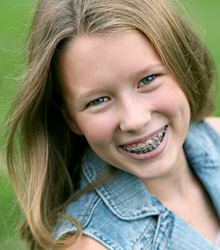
127 197
123 193
202 148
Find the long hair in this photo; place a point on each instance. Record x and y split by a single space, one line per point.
43 154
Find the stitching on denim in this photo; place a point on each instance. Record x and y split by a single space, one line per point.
103 239
91 212
133 248
149 203
207 166
157 229
145 247
111 193
98 175
168 231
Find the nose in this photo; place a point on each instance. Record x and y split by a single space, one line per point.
134 115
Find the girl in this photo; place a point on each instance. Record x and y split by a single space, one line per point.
114 152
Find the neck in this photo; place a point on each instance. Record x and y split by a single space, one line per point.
174 185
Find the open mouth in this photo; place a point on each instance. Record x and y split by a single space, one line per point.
148 146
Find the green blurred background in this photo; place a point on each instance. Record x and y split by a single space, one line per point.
15 17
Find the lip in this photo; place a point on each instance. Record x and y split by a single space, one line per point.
149 155
143 139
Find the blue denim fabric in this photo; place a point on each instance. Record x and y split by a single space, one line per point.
123 215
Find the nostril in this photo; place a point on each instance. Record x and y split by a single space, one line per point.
133 124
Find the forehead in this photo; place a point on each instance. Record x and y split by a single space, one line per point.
111 57
106 46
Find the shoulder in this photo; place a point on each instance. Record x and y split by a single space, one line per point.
203 139
87 243
214 122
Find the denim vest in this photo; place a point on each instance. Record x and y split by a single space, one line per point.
122 215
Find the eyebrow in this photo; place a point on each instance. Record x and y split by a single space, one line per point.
138 72
148 69
88 94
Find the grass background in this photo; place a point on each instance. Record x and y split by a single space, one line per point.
15 17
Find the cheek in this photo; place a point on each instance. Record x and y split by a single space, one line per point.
98 129
172 101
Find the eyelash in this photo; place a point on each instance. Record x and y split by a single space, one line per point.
98 101
104 99
149 80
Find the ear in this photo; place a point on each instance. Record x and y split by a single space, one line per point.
72 124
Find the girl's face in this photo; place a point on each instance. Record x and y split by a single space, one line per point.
120 96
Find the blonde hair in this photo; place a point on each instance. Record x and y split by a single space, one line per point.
47 170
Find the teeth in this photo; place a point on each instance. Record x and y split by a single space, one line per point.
141 146
160 136
148 146
149 142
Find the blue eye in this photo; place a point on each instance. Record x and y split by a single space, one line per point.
147 80
99 101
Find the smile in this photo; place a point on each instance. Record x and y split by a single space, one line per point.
149 145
